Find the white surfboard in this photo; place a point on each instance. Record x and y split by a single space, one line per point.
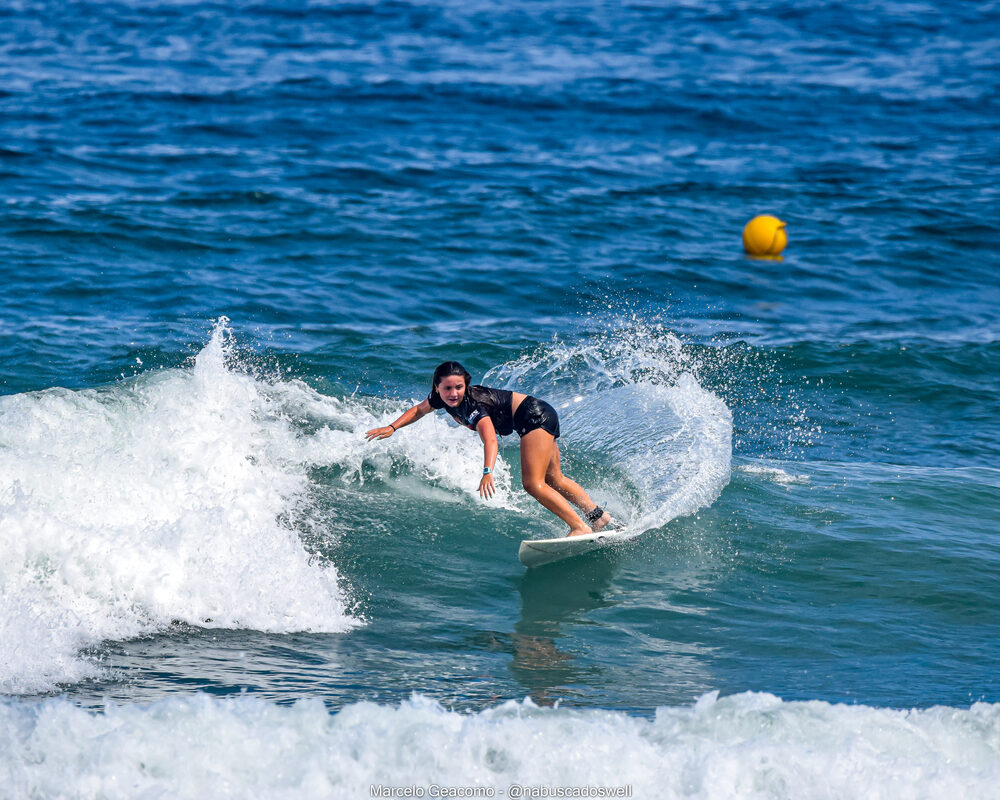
536 552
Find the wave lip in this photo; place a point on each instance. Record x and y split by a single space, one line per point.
124 510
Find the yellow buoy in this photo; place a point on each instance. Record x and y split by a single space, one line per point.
764 236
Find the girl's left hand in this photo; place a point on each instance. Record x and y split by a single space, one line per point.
486 487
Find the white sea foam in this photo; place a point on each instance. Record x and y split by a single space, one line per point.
435 451
127 508
752 746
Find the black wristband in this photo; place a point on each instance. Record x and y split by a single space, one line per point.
393 427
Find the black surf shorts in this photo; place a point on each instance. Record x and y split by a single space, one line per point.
534 413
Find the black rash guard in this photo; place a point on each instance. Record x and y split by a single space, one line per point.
479 402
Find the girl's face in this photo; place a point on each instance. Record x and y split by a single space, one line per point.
452 390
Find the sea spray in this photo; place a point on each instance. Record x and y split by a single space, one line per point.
631 399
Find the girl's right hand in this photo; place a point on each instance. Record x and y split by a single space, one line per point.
380 433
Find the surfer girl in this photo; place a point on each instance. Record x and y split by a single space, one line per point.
497 411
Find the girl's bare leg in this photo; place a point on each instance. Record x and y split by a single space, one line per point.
537 450
570 489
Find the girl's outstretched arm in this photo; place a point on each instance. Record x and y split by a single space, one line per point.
412 415
488 434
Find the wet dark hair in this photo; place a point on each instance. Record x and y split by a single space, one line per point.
446 370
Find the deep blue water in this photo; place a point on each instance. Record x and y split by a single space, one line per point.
236 235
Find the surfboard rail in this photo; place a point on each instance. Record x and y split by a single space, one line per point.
537 552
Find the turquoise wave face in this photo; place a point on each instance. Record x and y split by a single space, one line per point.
554 196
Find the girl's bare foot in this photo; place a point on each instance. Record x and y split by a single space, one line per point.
602 523
579 531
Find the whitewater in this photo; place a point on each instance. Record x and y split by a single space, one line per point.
749 746
127 509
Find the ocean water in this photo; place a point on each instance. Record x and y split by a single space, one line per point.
235 236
